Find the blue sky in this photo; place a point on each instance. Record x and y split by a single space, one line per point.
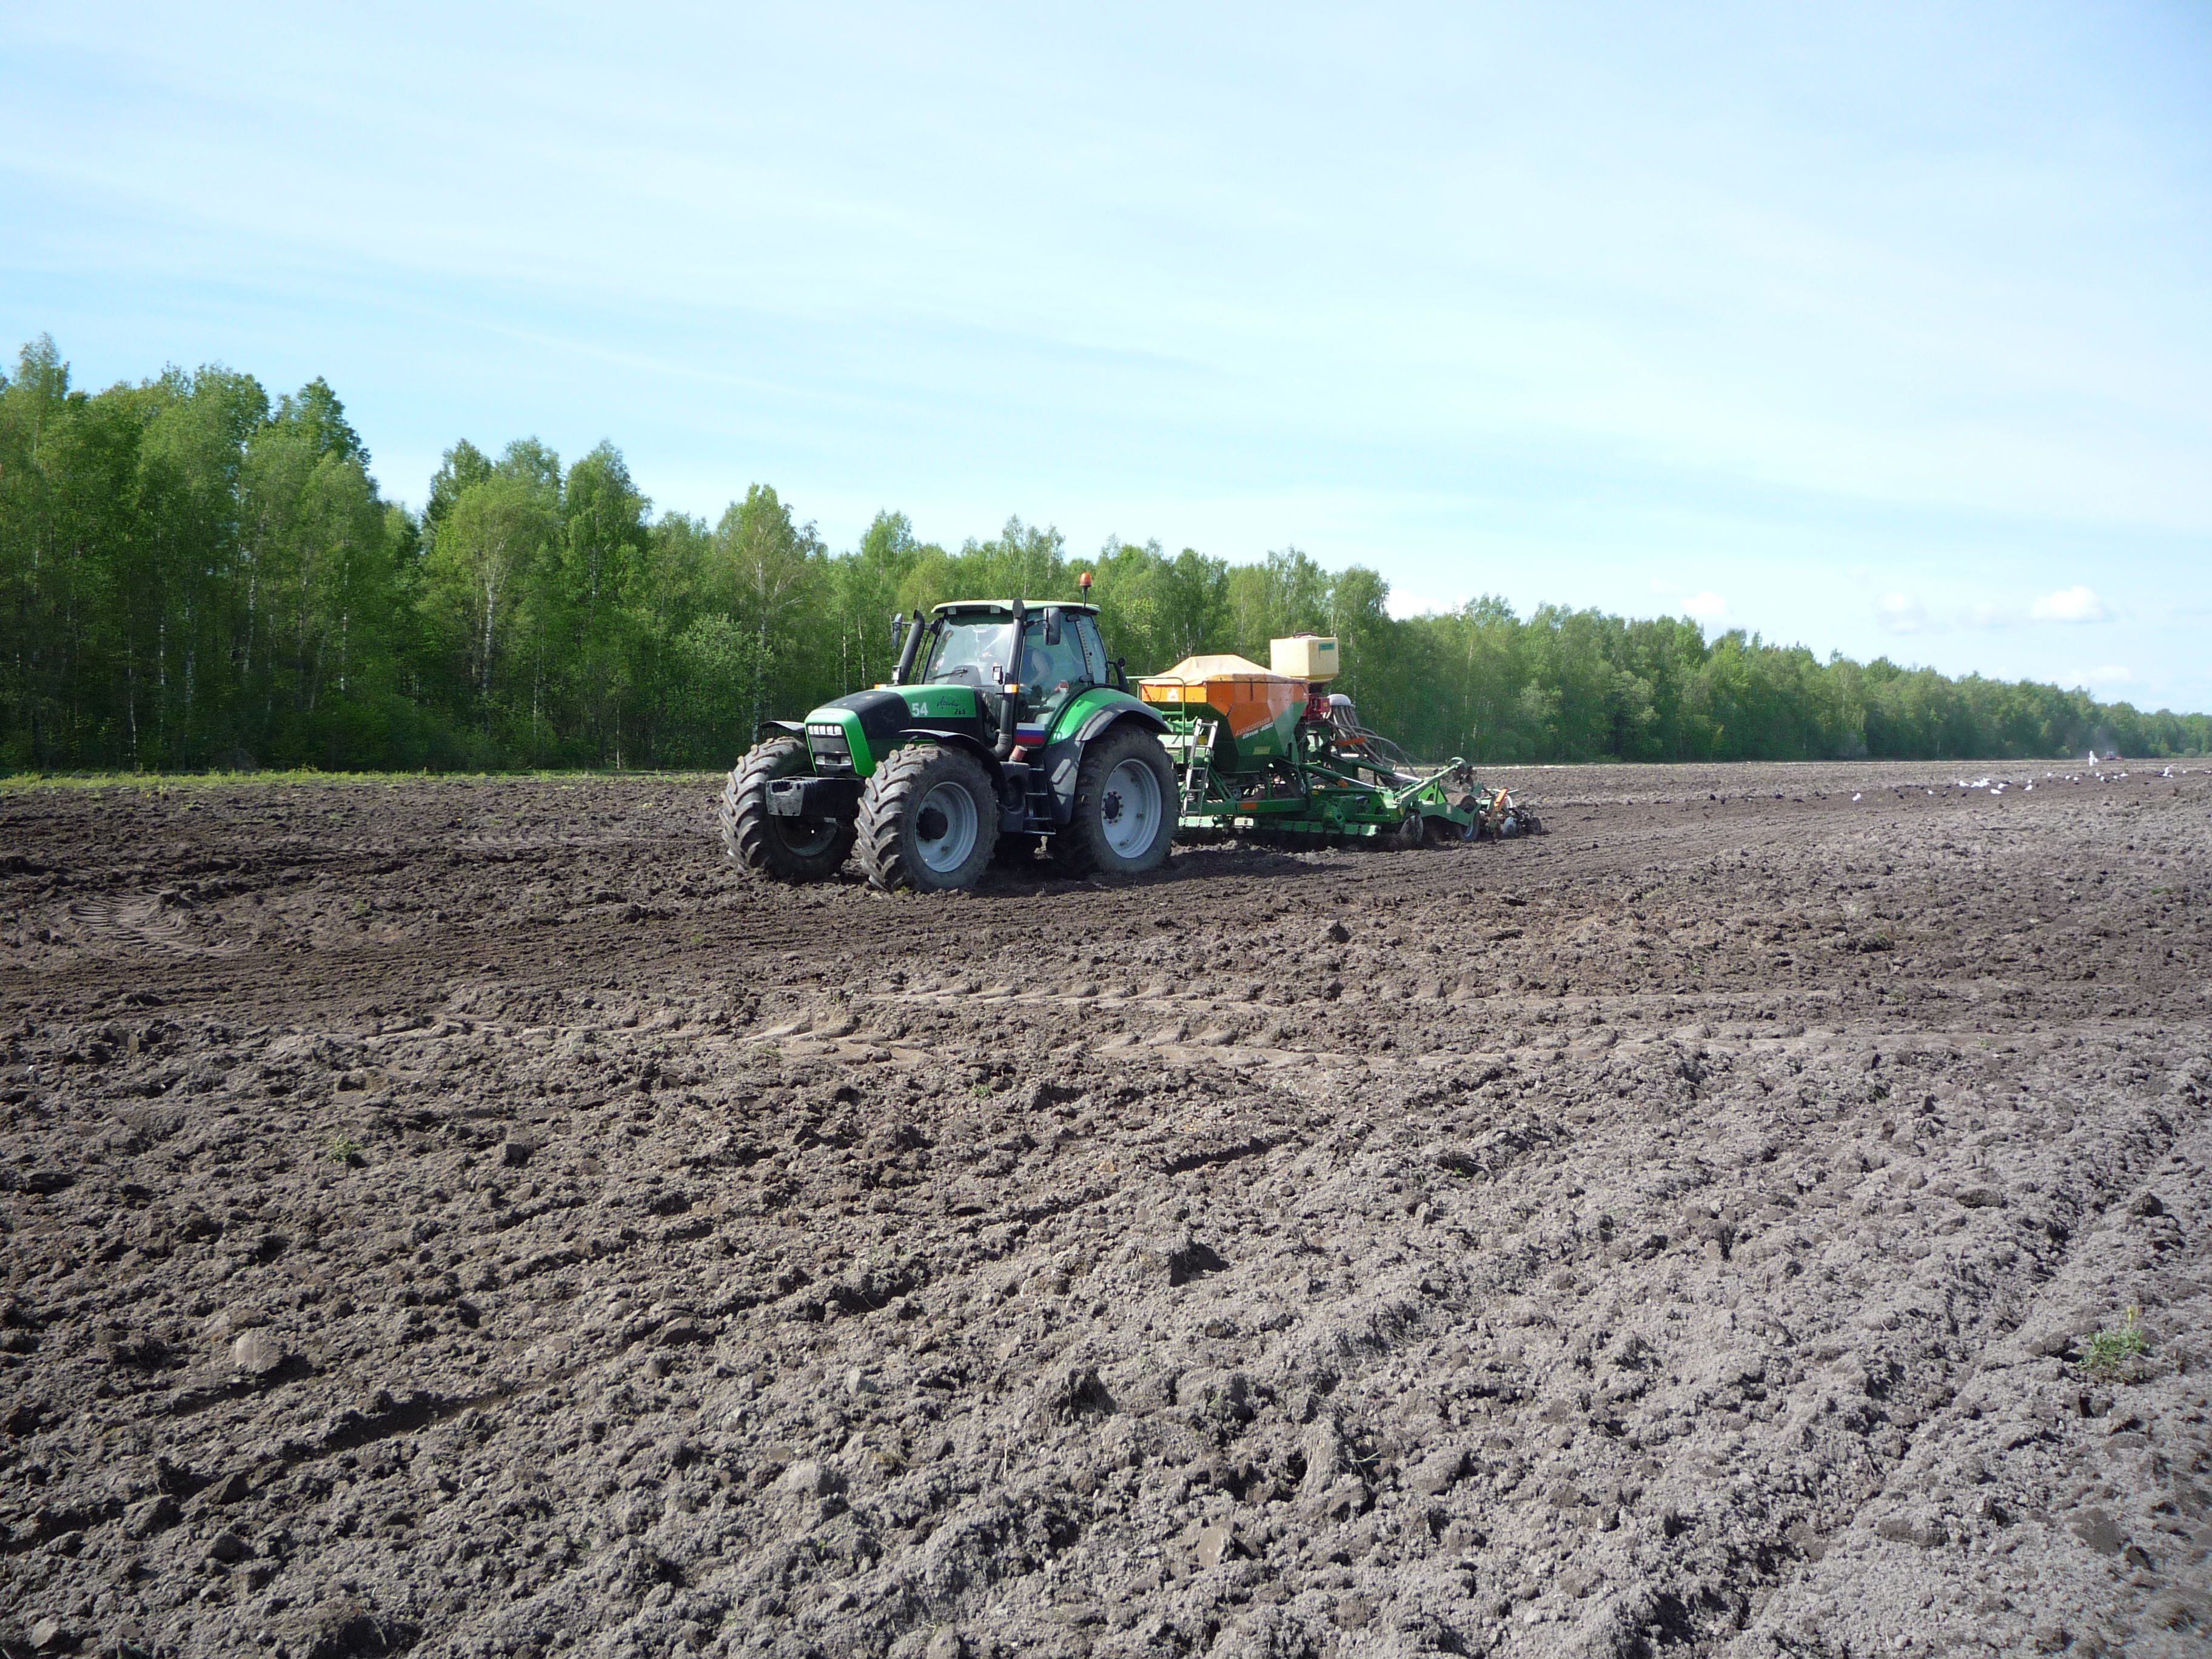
1885 331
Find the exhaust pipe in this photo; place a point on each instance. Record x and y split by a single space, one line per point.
1009 692
905 651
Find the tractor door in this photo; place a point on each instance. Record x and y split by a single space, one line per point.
1055 663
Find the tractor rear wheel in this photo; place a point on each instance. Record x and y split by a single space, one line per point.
778 848
929 820
1125 807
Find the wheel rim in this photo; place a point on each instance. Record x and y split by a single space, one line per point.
1129 810
945 828
805 838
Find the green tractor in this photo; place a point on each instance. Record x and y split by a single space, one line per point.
1003 729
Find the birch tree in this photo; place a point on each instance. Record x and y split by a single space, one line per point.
495 533
773 568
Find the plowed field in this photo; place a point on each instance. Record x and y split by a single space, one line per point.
1767 1215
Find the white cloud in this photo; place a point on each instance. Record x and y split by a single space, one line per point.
1900 613
1708 608
2071 605
2111 674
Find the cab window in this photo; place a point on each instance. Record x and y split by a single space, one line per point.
1094 649
1051 669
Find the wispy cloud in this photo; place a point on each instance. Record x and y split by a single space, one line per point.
1900 613
1708 608
2069 604
2110 674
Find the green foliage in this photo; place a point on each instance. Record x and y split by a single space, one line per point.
194 577
2116 1354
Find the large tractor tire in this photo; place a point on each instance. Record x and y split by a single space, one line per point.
1125 807
776 849
929 820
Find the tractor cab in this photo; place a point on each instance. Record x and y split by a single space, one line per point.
971 642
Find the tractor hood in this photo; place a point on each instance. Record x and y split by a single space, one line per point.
867 724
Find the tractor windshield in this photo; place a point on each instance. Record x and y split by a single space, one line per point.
969 650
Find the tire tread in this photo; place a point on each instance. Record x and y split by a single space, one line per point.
743 810
884 802
1075 850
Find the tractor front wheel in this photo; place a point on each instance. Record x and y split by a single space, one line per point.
1125 807
778 848
929 820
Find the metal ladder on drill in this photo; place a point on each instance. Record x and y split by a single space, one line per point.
1199 765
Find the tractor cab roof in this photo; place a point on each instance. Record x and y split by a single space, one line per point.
1005 607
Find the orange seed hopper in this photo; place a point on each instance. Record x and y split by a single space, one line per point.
1258 710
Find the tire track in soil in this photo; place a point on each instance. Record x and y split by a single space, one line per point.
1682 1242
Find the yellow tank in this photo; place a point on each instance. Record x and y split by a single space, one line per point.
1309 657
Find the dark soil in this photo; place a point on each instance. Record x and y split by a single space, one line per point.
467 1219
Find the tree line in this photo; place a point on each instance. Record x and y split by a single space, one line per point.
193 574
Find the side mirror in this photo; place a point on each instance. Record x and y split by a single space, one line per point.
1052 627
